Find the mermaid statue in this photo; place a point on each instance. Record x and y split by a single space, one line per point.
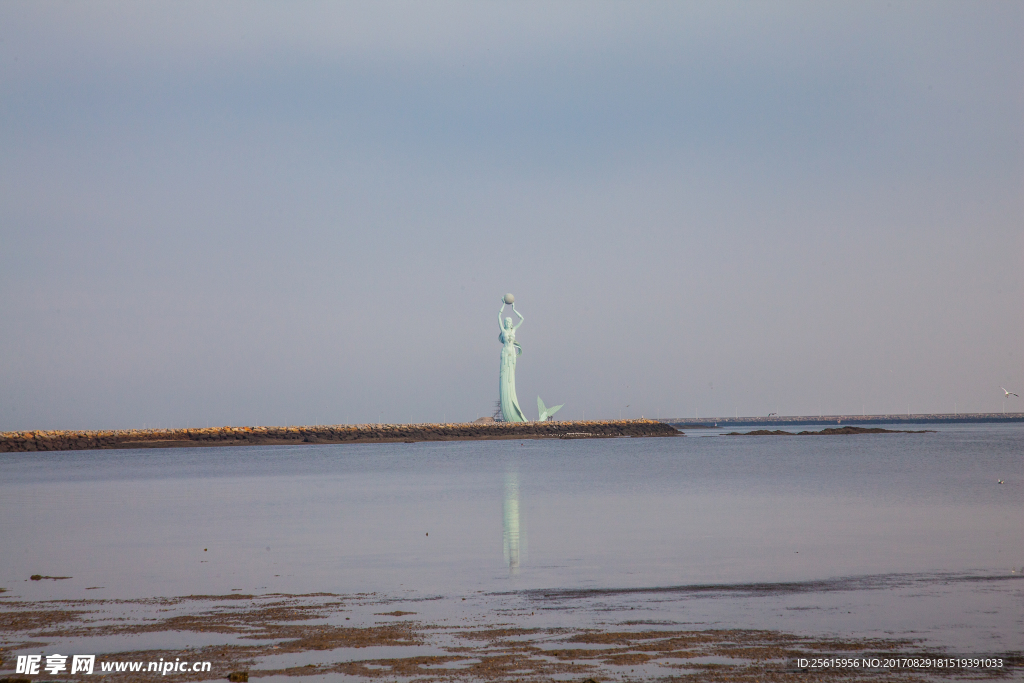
510 350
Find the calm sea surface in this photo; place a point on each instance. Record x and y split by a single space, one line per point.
493 516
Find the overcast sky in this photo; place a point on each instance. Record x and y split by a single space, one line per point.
296 213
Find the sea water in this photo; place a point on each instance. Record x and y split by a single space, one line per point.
588 517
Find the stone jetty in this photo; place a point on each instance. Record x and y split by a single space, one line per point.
15 442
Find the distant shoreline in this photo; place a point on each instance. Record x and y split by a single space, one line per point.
20 442
833 431
792 420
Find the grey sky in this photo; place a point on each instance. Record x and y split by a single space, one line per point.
237 213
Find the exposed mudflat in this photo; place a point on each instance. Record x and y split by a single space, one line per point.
493 637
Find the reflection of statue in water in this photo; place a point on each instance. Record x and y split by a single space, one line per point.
510 350
510 534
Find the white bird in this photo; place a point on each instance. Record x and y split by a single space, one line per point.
1009 393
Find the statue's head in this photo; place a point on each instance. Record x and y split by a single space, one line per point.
508 323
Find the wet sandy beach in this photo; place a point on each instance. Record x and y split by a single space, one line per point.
680 633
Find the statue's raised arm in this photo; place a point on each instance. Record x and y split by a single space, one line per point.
520 317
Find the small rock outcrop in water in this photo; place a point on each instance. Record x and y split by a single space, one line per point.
15 442
762 432
831 431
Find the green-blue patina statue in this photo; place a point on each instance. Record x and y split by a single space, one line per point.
510 350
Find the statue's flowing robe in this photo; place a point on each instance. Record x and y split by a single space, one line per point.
510 410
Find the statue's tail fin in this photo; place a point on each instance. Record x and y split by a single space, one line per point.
544 411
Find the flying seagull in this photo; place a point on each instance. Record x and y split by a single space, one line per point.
1009 393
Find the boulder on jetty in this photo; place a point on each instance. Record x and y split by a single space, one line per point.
15 442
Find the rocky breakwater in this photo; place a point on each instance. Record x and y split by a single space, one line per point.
16 442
